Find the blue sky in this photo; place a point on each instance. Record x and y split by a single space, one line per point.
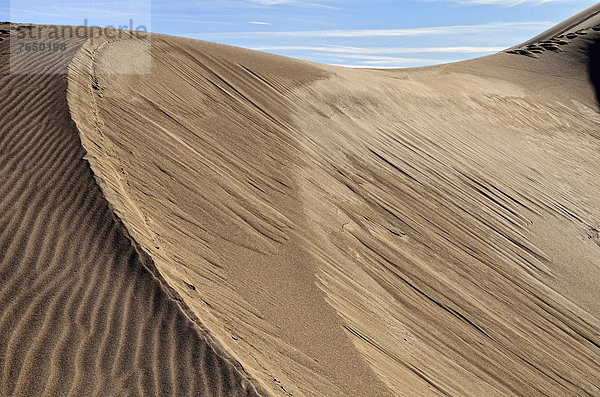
376 33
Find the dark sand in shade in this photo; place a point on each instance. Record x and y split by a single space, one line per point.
238 223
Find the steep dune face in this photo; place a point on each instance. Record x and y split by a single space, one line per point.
227 235
83 311
353 232
236 223
561 62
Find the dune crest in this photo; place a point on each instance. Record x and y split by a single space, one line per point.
83 310
428 231
224 222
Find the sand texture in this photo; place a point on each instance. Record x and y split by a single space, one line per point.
238 223
83 310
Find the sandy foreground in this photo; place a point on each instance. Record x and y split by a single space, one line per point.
224 222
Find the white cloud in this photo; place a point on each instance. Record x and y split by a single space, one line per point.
379 50
376 57
506 3
259 23
267 3
270 2
381 60
426 31
137 9
392 63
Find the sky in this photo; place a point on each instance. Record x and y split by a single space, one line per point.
354 33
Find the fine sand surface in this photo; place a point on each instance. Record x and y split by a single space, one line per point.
230 222
83 310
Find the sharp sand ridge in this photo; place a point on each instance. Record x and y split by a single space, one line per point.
230 222
83 310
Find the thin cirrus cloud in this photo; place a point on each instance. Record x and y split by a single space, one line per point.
267 3
426 31
270 2
451 43
387 63
66 12
383 60
505 3
380 57
377 50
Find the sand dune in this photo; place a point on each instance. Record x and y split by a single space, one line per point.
238 223
84 311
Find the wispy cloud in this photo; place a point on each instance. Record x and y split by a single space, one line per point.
426 31
259 23
390 63
267 3
127 9
270 2
379 50
380 57
383 60
505 3
351 66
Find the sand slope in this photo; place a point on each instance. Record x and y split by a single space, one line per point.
356 232
83 310
238 223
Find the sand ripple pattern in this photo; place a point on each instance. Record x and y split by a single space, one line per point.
81 311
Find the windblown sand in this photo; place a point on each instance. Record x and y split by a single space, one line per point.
237 223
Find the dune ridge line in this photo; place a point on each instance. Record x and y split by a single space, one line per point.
83 313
